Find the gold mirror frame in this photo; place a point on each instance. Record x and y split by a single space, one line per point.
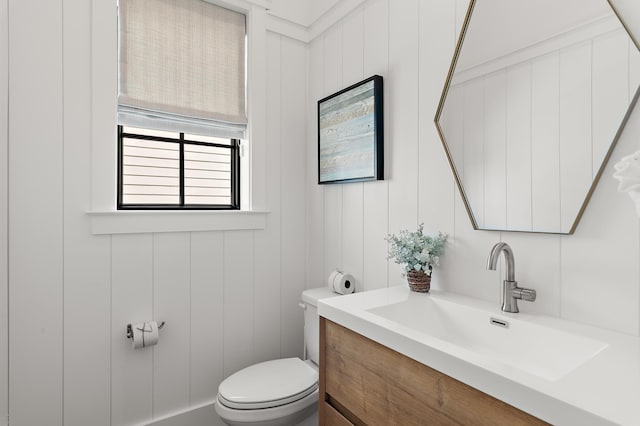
458 180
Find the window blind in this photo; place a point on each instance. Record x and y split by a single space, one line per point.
182 67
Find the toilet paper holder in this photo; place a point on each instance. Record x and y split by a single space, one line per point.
130 330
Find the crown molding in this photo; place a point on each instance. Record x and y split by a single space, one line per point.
306 33
338 11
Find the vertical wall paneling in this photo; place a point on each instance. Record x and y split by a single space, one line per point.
207 321
495 148
538 267
634 86
333 229
634 69
4 210
352 47
35 233
257 105
546 261
238 300
519 146
352 194
545 142
315 193
268 282
293 94
132 302
333 59
609 222
104 87
610 86
473 146
375 197
87 267
454 129
467 247
470 247
352 236
435 181
575 113
403 120
172 304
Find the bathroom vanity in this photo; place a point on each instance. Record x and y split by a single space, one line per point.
364 382
392 356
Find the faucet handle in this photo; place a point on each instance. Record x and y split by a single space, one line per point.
524 293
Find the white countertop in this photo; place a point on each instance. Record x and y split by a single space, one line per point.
603 390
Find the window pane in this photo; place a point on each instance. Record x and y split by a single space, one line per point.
175 146
207 183
207 175
212 158
150 172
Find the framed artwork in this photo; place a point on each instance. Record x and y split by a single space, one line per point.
351 134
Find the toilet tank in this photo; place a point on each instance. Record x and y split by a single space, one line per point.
312 320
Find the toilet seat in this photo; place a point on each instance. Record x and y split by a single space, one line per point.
268 384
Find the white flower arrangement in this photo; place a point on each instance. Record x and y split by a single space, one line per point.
415 250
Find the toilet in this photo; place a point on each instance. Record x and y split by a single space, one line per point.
281 391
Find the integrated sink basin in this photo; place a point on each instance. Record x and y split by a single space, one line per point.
493 339
560 371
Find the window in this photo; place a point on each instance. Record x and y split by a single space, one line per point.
181 104
166 170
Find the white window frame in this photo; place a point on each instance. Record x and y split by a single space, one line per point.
105 217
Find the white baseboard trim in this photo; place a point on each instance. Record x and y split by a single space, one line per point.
203 415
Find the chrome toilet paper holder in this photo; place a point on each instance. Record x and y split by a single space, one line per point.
130 330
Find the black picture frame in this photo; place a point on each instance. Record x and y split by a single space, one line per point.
351 134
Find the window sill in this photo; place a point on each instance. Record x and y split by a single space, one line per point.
136 222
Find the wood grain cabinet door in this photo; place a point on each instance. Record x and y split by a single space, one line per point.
364 382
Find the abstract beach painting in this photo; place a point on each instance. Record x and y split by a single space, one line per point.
350 133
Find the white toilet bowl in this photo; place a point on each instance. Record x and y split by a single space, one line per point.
281 392
272 393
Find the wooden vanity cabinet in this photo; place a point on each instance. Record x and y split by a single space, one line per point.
365 383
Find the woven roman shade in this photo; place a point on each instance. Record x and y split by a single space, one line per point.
182 67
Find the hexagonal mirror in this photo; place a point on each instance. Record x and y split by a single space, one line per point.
535 100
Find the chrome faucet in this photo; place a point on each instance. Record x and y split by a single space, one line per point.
510 290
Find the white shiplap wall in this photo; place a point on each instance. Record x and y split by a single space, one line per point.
591 277
36 203
4 198
229 298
